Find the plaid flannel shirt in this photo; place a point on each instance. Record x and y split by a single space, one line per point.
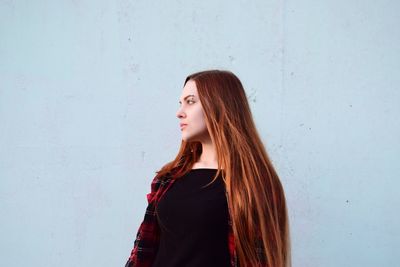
148 235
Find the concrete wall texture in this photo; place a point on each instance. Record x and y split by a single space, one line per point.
88 98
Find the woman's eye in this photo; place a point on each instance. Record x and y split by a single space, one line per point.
188 101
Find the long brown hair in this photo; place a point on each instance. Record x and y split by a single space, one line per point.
256 197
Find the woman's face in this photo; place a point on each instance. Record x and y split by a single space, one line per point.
191 113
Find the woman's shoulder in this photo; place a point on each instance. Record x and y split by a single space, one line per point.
166 173
158 183
162 178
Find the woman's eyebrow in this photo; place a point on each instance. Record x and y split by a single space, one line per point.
185 98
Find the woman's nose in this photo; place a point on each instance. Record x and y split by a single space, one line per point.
180 113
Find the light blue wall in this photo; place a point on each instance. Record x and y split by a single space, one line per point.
89 92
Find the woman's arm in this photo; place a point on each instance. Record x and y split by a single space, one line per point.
147 237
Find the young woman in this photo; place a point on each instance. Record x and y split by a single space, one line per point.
220 201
